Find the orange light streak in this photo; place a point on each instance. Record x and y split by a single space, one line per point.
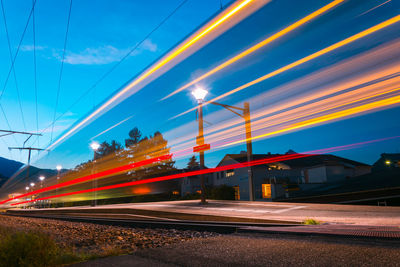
259 45
324 51
157 66
325 118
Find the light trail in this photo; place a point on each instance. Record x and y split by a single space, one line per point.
93 176
208 29
340 114
324 51
214 144
112 127
211 170
259 45
371 85
320 84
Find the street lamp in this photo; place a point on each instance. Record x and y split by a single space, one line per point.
41 178
27 188
200 94
59 168
94 146
32 184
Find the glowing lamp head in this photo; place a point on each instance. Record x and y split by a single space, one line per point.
95 146
32 184
59 167
27 188
199 93
387 162
41 178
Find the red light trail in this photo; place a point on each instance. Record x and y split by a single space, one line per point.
182 175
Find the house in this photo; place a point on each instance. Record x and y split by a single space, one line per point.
387 161
272 180
191 184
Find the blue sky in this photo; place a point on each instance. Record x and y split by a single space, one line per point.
100 34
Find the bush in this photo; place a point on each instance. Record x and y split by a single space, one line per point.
311 222
28 249
222 192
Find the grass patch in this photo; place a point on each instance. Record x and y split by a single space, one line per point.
37 249
311 222
34 249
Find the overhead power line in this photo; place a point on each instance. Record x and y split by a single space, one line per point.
34 68
16 53
116 64
61 70
12 65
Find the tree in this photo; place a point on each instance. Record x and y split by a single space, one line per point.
151 147
134 139
107 149
193 163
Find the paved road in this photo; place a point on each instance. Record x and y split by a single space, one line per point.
244 250
349 214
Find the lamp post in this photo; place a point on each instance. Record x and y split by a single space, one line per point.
201 93
95 146
41 178
59 168
27 190
32 185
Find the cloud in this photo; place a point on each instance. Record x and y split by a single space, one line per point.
105 54
27 48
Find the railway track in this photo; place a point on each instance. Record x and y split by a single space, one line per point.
163 223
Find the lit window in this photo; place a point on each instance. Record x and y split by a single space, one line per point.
230 173
266 190
175 192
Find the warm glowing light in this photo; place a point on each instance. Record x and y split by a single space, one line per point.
388 162
59 167
199 93
259 45
95 146
32 184
27 188
174 54
41 178
324 51
141 191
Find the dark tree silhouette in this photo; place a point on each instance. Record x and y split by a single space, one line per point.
193 163
134 139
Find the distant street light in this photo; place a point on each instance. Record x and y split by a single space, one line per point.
32 184
388 162
59 168
27 188
95 146
200 93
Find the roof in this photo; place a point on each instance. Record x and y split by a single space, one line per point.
313 160
308 161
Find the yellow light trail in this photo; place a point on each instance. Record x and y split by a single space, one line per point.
259 45
330 104
326 50
329 117
163 62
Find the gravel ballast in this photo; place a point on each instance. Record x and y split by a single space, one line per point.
100 239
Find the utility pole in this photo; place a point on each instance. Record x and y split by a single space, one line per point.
200 142
29 156
246 116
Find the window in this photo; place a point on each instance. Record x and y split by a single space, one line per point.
237 192
266 190
230 173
